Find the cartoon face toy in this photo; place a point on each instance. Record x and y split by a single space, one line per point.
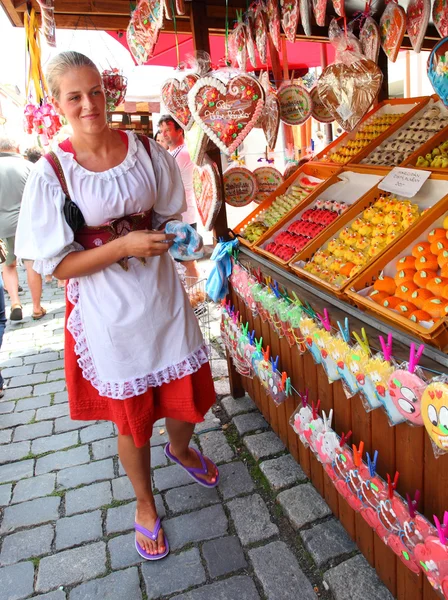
406 391
308 328
301 421
435 413
324 340
327 445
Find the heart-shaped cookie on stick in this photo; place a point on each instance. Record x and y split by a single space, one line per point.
417 19
175 97
207 192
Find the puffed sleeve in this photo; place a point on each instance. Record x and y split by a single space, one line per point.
170 203
43 234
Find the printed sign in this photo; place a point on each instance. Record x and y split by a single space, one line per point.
404 182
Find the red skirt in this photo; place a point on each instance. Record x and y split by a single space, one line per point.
186 399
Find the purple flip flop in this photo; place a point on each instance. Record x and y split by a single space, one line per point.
152 535
193 470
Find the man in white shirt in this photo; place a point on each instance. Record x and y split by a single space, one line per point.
173 135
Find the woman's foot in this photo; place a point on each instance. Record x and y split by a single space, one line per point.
146 516
16 312
39 314
191 460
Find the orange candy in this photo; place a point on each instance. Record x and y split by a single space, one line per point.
419 315
405 290
391 302
422 278
438 246
420 249
436 234
346 269
404 275
445 292
442 259
377 296
437 285
407 262
406 308
435 307
420 296
385 284
428 262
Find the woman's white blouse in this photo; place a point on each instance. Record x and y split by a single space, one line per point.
133 329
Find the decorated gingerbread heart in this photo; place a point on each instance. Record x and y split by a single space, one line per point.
305 16
273 15
261 33
440 17
197 143
417 19
250 43
290 14
392 29
296 105
175 97
320 112
319 9
339 7
240 186
168 9
180 7
270 119
237 46
207 192
435 413
348 91
226 111
268 179
144 28
369 36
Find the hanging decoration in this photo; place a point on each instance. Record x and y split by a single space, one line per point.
115 85
440 17
226 110
144 28
305 16
320 9
207 192
320 112
168 9
434 406
339 7
417 19
268 180
238 44
273 16
180 7
47 18
270 117
197 143
392 29
250 43
296 105
261 33
240 186
438 70
175 97
290 15
369 36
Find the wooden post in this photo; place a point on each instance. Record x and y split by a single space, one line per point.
383 65
323 64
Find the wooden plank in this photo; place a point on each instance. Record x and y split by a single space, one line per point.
435 482
283 415
383 440
273 409
409 585
317 476
347 517
410 445
331 494
266 335
428 591
386 565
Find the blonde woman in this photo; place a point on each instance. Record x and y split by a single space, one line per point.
94 213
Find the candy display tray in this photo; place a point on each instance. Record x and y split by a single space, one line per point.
309 170
409 106
429 198
411 162
347 188
435 332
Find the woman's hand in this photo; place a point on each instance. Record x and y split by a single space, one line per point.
147 243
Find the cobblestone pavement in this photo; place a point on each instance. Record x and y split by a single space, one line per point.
66 521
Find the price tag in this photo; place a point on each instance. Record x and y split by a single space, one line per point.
404 182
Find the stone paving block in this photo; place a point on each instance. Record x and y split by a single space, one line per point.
355 579
327 541
234 480
238 406
84 474
14 452
41 357
122 518
60 397
159 439
58 595
222 387
279 572
30 513
170 477
49 388
62 459
64 424
7 407
32 379
16 471
117 586
14 419
44 367
56 375
197 526
17 393
235 588
252 519
220 368
5 494
71 567
26 544
190 497
5 436
11 362
104 448
158 457
122 551
303 505
96 432
72 531
223 556
34 487
16 371
215 446
88 497
54 442
249 423
33 431
122 489
282 472
262 445
173 574
52 412
33 403
17 581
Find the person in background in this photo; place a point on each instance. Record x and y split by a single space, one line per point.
173 135
33 154
3 321
159 139
14 171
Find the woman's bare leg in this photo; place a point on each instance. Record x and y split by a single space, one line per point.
180 434
137 464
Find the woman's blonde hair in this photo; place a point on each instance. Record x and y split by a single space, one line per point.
63 62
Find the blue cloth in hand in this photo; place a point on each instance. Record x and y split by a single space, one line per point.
217 284
187 243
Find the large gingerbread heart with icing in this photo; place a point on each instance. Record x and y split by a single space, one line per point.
207 192
226 111
175 98
290 14
417 19
392 29
440 17
144 28
240 186
348 91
